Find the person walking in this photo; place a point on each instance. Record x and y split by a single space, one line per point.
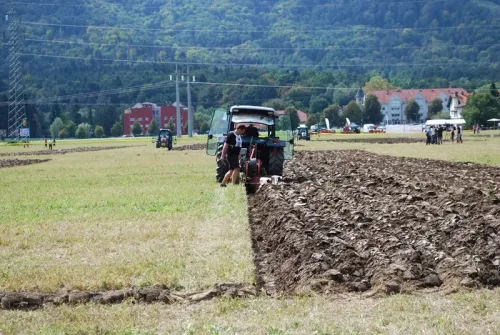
231 154
459 134
453 134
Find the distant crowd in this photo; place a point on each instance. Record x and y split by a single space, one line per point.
434 134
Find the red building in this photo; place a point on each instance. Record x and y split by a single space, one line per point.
145 112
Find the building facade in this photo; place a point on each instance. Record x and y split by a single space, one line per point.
394 102
143 113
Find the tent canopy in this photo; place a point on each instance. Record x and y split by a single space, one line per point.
493 120
444 121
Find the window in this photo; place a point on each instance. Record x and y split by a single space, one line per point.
147 119
165 118
172 118
139 119
132 119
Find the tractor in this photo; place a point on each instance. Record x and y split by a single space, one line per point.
303 133
164 139
263 152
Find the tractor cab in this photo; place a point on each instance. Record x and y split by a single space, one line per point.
164 139
268 141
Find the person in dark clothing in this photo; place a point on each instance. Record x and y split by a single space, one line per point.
251 131
459 134
453 134
231 153
440 135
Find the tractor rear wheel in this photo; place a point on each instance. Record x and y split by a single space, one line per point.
276 161
222 168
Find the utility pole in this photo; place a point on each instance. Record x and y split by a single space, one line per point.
17 112
178 103
190 111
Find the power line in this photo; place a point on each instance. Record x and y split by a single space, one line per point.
454 64
238 48
355 28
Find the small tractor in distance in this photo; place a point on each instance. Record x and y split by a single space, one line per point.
262 155
164 139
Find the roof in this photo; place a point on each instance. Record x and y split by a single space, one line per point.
429 94
302 115
257 109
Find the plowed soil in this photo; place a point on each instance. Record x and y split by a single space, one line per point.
60 151
5 163
379 223
384 140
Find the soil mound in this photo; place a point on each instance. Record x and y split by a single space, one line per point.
382 223
197 146
5 163
151 294
60 151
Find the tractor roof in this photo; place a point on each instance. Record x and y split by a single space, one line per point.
254 110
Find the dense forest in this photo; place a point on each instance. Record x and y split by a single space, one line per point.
86 61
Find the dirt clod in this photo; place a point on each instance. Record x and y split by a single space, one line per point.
376 222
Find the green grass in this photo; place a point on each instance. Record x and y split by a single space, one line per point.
109 219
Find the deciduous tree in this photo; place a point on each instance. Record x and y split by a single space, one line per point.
411 111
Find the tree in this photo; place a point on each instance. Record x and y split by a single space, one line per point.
353 112
318 104
440 116
171 126
377 83
276 104
312 120
294 116
99 131
63 133
117 129
493 90
56 127
70 127
153 127
205 126
411 111
87 128
332 114
80 132
373 110
480 108
136 129
435 107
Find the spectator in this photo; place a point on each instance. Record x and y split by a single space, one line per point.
459 134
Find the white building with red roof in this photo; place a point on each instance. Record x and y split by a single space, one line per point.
393 102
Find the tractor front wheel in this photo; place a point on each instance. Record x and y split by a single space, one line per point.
276 161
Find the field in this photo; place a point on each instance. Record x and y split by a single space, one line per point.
136 216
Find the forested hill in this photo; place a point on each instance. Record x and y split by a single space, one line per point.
413 43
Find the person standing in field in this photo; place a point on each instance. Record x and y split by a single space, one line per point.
453 134
459 134
231 154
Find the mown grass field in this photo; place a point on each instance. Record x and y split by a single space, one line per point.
142 216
